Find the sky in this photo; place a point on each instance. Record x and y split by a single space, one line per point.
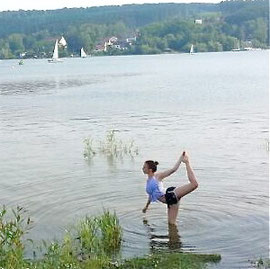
56 4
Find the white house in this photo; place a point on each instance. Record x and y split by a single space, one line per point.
199 21
131 40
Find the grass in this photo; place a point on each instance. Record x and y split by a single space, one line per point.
89 151
111 232
99 235
12 228
172 261
111 146
261 263
93 243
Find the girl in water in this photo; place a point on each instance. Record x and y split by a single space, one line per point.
172 196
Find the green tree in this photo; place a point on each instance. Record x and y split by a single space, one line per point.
227 42
201 47
5 52
28 42
214 46
16 43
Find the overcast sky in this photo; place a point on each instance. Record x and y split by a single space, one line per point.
56 4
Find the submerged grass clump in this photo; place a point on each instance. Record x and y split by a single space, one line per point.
111 146
94 243
111 232
100 235
88 148
115 147
261 263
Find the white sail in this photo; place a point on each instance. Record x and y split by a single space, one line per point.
55 57
63 42
191 49
55 52
83 54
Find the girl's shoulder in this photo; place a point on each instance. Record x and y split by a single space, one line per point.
157 177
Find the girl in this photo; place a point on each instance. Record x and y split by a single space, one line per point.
172 196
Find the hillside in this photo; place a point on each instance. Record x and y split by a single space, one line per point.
56 21
155 27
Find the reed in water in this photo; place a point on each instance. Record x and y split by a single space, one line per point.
111 146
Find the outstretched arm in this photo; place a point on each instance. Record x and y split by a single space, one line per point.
147 204
162 175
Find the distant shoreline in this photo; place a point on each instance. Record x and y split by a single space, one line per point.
123 55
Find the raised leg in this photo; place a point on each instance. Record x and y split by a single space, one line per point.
184 190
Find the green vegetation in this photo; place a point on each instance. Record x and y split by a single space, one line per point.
158 28
261 263
111 147
172 261
89 151
94 243
11 233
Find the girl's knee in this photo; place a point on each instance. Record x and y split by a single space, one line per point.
195 185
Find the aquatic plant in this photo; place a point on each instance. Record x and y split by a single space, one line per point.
91 243
111 232
13 226
261 263
89 151
111 146
87 231
100 235
86 245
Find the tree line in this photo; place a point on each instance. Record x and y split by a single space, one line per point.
157 27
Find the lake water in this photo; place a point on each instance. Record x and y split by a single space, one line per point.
214 105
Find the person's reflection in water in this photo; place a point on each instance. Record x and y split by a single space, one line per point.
174 238
162 242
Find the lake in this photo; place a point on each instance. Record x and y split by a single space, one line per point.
213 105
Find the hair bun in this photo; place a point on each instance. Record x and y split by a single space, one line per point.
156 163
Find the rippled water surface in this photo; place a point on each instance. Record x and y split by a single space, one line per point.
214 105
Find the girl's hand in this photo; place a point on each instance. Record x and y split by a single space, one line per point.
144 209
184 157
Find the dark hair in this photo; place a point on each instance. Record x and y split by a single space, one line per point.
152 165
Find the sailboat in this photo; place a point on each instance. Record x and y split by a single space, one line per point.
191 49
82 53
62 42
55 58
